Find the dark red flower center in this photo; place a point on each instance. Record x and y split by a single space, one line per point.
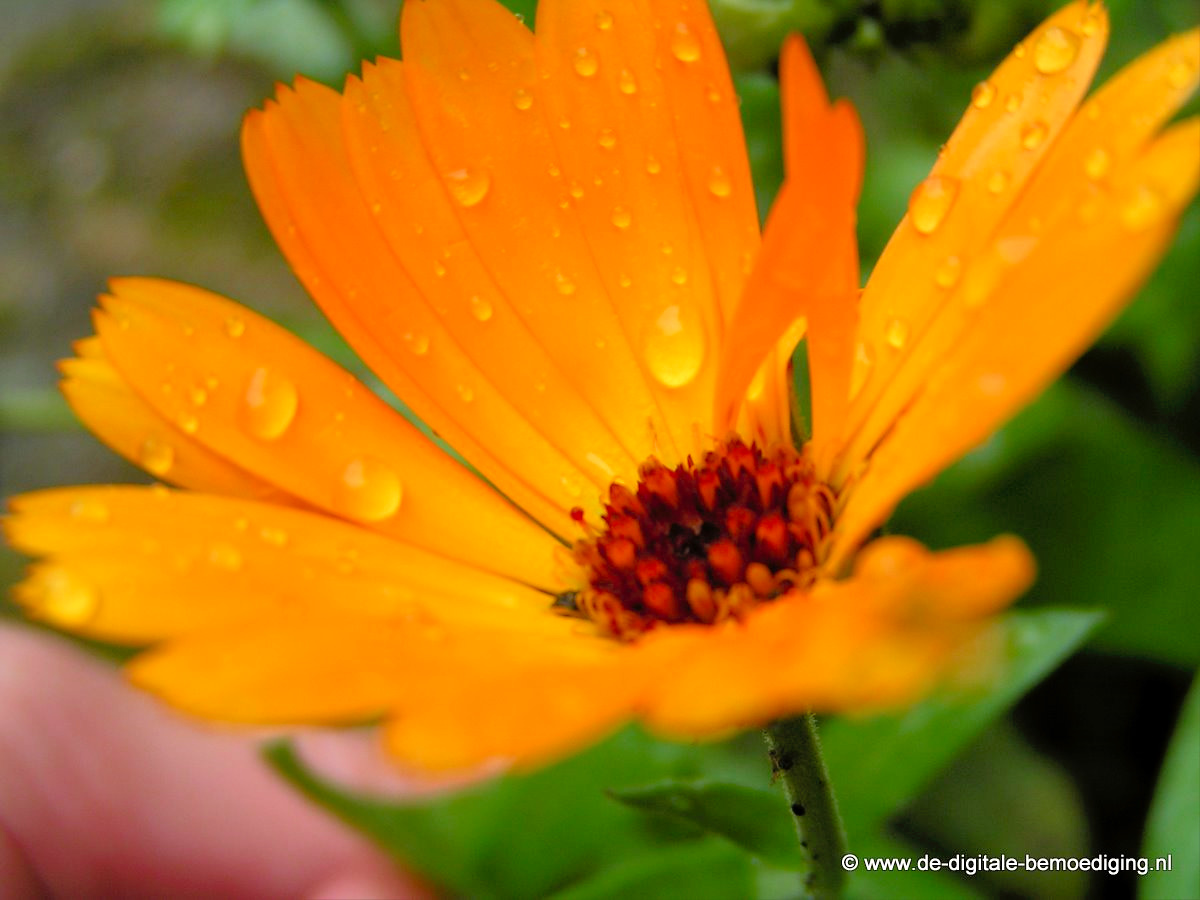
702 543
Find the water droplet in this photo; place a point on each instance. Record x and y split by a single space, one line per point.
481 309
625 281
571 486
1142 209
606 138
211 382
188 423
626 83
464 75
622 218
983 94
1055 50
564 285
417 343
1019 50
586 63
468 186
368 491
1013 103
235 327
897 334
1091 23
684 45
1033 134
679 275
604 20
931 201
1096 163
65 598
948 272
225 556
198 396
554 171
276 537
90 510
156 456
1180 74
269 404
576 190
522 99
719 184
997 182
674 346
653 166
465 393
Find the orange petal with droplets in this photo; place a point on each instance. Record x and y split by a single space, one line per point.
135 564
293 419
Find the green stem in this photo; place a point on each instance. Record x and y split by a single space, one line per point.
796 761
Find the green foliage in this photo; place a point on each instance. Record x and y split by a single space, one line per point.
1174 826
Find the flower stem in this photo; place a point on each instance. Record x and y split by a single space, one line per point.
796 761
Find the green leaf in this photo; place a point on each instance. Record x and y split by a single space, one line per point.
522 836
700 871
1173 827
881 763
1107 506
755 820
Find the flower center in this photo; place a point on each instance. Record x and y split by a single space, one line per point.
702 543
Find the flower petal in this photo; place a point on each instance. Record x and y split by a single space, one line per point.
417 218
534 247
108 406
302 178
316 668
876 639
247 390
1088 227
1008 129
808 267
136 564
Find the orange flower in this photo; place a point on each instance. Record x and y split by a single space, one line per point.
547 246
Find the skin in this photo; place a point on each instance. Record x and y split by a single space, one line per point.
105 793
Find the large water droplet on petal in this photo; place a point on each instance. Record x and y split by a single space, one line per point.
684 45
931 201
897 334
418 343
1096 163
586 63
983 94
368 491
269 404
481 309
65 598
674 345
468 187
1033 134
719 184
156 456
1055 50
1143 208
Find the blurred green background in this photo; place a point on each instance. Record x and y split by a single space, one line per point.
119 155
